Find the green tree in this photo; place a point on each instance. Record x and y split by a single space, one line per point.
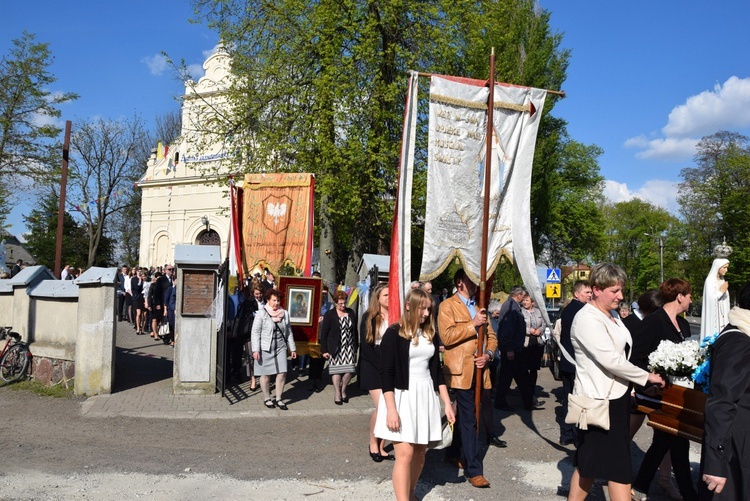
28 111
714 199
632 236
567 222
42 236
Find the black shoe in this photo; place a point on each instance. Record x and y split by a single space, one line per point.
338 402
566 441
281 405
495 441
387 457
375 456
345 400
318 389
313 387
503 406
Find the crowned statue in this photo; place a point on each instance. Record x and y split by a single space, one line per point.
716 294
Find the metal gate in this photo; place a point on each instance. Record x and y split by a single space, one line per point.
221 342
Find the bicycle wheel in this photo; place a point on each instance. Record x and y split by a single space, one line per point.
14 363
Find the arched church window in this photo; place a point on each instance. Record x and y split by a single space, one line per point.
209 237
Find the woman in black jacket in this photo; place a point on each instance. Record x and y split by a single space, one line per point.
409 409
666 323
339 340
373 326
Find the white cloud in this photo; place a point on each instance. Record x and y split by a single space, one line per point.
659 192
157 64
669 149
726 107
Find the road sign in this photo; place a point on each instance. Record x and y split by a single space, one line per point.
553 290
553 276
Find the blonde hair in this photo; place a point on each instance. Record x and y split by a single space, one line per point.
409 324
374 317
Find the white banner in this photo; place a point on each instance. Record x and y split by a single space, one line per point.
455 166
516 117
455 191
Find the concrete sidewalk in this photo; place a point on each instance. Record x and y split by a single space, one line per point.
143 388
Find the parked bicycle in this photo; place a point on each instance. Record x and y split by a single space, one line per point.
15 357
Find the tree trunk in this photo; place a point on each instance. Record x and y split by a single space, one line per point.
326 244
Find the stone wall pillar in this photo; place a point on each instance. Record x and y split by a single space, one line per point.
95 339
196 340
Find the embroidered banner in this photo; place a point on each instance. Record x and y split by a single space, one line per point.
455 176
455 159
277 214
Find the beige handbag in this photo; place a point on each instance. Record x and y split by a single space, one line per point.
584 411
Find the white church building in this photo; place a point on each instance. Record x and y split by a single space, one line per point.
185 195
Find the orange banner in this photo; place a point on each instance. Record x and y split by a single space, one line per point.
276 220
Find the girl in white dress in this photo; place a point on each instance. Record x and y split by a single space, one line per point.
409 408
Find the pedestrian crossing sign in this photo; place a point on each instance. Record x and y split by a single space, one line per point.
553 276
553 291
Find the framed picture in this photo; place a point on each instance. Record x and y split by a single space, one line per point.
299 301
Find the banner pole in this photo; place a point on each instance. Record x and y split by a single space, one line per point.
478 379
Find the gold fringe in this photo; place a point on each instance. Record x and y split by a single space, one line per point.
512 106
438 98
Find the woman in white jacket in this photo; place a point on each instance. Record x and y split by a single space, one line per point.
602 346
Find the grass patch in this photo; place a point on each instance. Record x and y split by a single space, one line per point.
58 391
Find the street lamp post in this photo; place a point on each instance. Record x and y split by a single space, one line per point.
661 255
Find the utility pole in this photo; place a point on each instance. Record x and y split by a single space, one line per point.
661 255
61 209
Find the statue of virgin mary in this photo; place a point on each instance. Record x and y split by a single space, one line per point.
716 294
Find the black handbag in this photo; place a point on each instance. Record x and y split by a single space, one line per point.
547 355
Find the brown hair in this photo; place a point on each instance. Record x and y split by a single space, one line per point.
338 295
374 317
409 322
669 289
272 292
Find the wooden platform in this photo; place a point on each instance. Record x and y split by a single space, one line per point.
682 413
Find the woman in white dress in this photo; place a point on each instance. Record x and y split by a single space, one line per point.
715 299
409 408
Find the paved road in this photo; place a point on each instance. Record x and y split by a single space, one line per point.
143 442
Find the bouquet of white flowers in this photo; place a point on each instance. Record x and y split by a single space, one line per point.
676 359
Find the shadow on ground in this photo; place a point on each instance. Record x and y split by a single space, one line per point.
133 369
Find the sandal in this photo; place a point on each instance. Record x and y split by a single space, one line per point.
269 403
281 405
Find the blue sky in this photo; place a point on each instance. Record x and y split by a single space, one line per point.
646 79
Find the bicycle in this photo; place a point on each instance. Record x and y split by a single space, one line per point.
15 357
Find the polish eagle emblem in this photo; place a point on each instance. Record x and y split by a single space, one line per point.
276 210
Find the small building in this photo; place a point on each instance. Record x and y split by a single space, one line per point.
14 250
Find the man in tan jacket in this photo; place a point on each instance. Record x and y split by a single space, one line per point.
459 320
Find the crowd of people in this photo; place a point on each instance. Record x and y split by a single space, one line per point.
146 298
426 365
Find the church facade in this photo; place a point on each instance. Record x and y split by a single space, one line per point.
185 195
